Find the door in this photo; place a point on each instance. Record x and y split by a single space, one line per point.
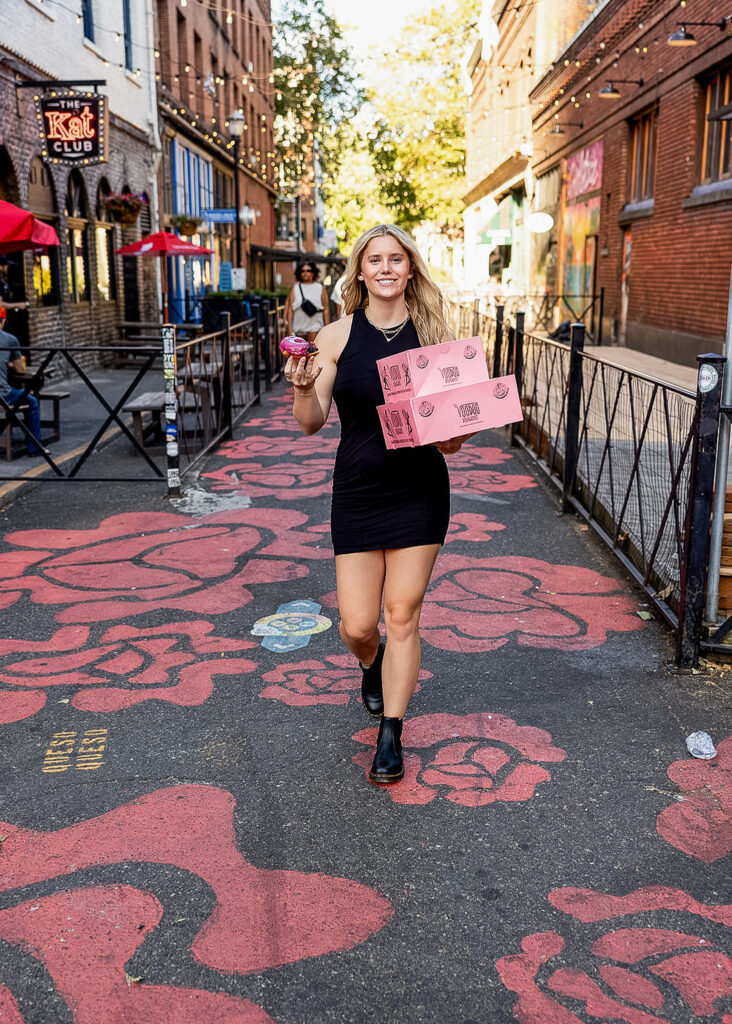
131 290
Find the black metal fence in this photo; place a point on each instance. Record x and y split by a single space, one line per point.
179 401
543 312
629 453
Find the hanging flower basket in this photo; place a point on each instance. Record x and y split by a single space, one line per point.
186 223
124 206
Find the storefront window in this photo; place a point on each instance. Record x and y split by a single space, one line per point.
717 148
42 203
643 156
106 276
77 256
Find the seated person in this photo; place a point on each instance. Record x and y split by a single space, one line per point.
10 355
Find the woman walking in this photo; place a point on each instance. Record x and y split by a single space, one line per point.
390 509
306 307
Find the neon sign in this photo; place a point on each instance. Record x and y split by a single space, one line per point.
73 127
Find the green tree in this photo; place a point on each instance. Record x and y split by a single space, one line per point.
417 140
316 90
353 199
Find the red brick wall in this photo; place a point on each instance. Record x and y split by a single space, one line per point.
681 254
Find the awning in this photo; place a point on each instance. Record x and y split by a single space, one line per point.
499 229
270 253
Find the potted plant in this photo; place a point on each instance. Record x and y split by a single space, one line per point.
186 223
124 206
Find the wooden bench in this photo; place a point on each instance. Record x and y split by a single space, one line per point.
154 403
52 395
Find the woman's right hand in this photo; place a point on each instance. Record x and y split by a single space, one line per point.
302 373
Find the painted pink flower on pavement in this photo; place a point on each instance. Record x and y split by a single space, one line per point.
90 976
480 604
462 766
148 561
261 919
700 824
471 526
638 973
258 446
470 472
335 680
286 481
175 662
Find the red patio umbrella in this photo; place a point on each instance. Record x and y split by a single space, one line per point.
19 229
163 243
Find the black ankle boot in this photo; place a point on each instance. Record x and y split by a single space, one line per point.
372 694
388 764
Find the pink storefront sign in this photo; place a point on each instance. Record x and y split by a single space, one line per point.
584 171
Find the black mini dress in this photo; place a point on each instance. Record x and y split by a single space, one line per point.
381 499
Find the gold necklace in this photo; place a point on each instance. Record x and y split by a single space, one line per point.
389 333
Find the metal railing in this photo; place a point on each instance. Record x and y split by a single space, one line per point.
543 312
632 454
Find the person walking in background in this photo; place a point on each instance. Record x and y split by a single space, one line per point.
390 509
306 307
10 356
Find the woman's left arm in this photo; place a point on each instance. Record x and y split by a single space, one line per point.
326 306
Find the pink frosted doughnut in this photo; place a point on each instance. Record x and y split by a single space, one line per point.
294 346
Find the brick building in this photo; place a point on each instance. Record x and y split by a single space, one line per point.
518 42
79 291
213 60
642 192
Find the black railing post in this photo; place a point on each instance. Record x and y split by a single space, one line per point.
699 510
226 379
264 325
574 402
254 336
170 380
499 341
602 314
518 369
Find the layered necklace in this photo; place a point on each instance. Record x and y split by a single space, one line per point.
389 333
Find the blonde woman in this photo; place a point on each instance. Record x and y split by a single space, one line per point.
390 509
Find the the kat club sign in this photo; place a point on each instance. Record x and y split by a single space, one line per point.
73 127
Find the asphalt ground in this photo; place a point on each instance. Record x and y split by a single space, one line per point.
189 834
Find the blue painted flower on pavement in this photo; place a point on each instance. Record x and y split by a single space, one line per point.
291 626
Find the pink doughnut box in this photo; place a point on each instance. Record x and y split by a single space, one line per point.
441 415
432 368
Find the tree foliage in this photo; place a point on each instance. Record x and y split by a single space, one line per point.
316 90
418 138
353 198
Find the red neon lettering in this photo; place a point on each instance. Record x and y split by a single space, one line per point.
66 127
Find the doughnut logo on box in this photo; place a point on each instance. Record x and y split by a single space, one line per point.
468 412
469 351
450 374
398 423
425 409
500 390
422 361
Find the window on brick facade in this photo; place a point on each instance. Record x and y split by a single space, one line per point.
717 147
77 242
104 236
87 15
42 203
642 156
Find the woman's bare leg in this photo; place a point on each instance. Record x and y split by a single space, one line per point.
360 582
408 572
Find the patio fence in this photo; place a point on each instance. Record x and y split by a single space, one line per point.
629 453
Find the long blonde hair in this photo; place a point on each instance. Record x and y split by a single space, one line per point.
423 298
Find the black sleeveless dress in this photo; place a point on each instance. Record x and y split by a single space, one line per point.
381 499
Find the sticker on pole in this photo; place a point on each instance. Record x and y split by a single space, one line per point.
708 378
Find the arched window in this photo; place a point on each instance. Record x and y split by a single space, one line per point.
77 242
104 237
42 203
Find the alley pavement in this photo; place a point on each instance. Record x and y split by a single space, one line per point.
188 833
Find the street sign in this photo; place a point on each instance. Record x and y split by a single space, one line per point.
238 279
225 276
219 216
73 128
